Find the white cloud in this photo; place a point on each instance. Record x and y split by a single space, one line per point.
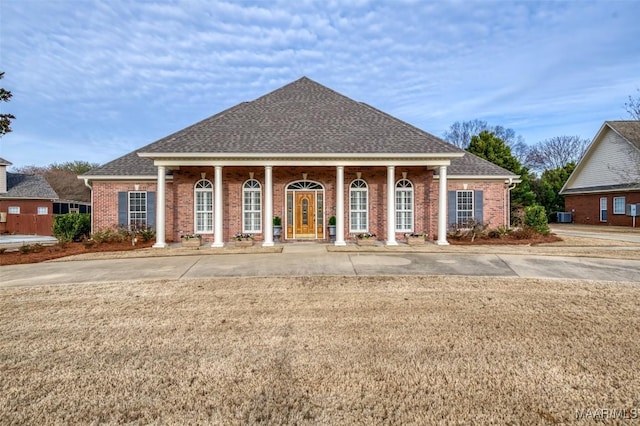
103 71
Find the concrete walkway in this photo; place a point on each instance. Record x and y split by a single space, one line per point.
611 233
315 260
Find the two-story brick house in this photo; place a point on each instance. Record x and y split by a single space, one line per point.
304 153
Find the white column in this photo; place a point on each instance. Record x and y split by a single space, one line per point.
267 227
160 209
340 206
442 207
217 209
391 206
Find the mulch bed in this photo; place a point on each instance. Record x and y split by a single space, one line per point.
45 253
506 240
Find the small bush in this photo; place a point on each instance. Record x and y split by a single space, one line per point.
102 235
71 227
25 249
37 247
470 230
535 217
499 232
2 250
147 234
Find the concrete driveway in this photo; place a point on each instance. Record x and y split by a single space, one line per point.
611 233
315 260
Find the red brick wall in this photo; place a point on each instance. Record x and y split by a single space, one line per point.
180 197
105 203
586 208
494 203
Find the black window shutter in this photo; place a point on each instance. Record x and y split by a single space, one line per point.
451 211
151 209
477 206
123 208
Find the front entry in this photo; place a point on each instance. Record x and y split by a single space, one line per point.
305 211
305 218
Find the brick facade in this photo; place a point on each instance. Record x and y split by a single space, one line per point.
586 208
180 197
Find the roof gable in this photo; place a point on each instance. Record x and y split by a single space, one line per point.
612 160
300 118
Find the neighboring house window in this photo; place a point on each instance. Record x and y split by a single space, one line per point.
464 207
404 206
358 206
43 210
14 210
137 209
619 204
203 197
251 206
603 209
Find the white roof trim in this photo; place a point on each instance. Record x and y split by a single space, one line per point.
227 156
123 178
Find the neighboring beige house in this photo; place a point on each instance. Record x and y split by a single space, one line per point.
304 153
607 178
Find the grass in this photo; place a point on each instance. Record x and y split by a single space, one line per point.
325 350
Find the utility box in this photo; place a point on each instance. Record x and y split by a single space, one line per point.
3 217
633 210
563 217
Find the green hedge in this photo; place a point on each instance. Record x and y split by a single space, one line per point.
71 227
535 218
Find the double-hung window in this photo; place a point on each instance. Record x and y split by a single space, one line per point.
137 209
358 206
404 206
251 206
619 205
203 207
464 207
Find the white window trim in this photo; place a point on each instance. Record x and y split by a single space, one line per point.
408 228
13 210
364 189
258 212
472 205
42 211
624 205
146 207
197 190
603 202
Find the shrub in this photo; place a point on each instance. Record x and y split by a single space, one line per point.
71 227
102 235
470 230
25 249
147 234
535 217
501 231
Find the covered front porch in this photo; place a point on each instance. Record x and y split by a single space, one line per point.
369 195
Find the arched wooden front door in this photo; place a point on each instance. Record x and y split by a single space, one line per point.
305 210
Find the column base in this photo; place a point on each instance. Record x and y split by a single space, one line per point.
442 243
340 243
160 245
391 243
217 245
268 244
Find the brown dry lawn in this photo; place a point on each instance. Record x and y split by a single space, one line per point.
366 350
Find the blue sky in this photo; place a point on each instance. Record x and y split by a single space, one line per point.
93 80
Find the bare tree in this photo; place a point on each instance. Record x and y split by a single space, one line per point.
556 152
460 134
633 107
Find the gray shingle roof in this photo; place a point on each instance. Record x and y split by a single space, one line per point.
472 165
28 186
630 130
302 117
